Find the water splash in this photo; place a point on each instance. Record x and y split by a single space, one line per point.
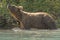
16 29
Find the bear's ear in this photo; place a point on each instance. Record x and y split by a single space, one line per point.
20 7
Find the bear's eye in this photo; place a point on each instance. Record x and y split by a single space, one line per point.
18 9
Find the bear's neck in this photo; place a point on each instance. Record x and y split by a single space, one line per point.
19 15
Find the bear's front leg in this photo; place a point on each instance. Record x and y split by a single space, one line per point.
27 25
21 25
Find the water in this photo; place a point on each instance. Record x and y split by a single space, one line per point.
17 34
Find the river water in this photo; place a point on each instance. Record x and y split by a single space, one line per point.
17 34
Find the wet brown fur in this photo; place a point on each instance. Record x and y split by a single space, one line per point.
39 20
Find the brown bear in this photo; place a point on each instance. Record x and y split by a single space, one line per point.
39 20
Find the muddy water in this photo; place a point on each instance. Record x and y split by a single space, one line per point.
17 34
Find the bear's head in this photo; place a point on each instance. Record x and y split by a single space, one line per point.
14 9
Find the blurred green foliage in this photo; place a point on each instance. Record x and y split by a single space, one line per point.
50 6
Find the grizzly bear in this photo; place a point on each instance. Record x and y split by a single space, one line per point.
28 20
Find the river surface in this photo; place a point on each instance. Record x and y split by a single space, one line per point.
17 34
